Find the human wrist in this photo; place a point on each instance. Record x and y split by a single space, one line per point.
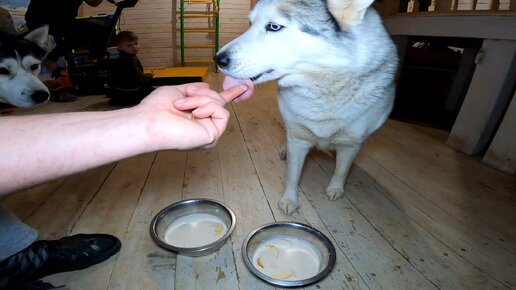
151 128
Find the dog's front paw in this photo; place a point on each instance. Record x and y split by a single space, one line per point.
287 205
334 193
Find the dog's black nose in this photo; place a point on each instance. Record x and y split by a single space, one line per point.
40 96
222 59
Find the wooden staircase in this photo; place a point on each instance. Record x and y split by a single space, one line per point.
193 9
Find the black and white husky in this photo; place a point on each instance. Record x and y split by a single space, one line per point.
335 65
20 64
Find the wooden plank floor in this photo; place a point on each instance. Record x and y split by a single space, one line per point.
416 213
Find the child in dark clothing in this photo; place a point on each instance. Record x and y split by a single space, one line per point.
130 84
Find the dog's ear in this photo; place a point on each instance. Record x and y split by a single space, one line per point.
348 12
38 36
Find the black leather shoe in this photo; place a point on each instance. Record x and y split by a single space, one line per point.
44 258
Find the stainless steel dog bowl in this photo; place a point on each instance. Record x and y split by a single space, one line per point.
288 254
193 227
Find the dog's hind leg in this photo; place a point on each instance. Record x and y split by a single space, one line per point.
296 154
345 156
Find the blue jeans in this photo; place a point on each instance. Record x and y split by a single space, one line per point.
14 234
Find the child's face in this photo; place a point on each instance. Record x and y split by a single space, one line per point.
131 47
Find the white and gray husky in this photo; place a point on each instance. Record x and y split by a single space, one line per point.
20 65
335 65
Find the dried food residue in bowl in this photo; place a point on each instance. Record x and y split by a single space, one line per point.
287 258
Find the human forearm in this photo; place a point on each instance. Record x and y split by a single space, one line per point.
38 148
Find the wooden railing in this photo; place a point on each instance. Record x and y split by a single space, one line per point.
458 6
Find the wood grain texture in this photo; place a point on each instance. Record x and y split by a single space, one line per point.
416 214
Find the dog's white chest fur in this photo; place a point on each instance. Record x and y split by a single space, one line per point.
330 112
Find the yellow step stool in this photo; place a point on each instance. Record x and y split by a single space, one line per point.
177 75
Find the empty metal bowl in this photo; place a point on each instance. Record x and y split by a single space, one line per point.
193 227
288 254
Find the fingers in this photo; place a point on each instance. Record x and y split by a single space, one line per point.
199 99
233 92
214 118
199 88
198 96
206 109
186 88
228 95
211 110
191 103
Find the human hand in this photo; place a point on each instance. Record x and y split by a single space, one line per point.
187 116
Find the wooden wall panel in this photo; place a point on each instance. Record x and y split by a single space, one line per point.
157 22
233 19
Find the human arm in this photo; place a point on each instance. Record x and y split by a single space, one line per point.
39 148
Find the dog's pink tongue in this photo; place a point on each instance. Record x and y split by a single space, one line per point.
230 82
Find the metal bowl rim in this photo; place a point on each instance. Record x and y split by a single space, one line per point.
194 250
295 283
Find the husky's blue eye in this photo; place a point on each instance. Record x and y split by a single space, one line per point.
273 27
34 66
